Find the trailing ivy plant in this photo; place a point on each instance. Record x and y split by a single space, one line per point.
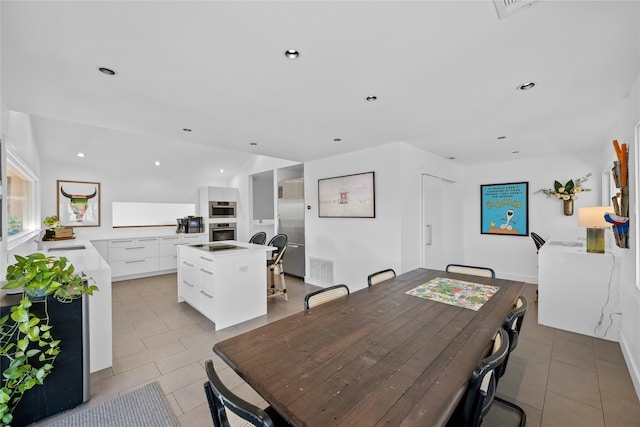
26 339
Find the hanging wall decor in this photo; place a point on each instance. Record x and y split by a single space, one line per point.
568 192
505 209
78 203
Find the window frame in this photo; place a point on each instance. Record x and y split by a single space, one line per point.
14 161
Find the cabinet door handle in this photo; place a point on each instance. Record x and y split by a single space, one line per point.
206 294
188 264
429 240
135 247
121 241
206 271
206 259
131 262
147 240
187 283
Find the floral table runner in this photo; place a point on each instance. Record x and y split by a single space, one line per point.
455 292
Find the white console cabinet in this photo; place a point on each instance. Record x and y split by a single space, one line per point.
578 291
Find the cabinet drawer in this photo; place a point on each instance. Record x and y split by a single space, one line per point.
188 291
133 252
186 239
206 261
169 249
137 266
206 280
207 306
169 262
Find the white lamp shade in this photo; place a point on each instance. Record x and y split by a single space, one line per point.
593 216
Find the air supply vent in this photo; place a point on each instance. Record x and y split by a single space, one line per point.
506 8
321 270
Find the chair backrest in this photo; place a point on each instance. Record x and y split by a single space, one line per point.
484 380
512 325
470 269
227 409
323 295
539 241
380 276
259 238
280 242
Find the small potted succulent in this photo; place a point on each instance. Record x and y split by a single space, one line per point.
26 338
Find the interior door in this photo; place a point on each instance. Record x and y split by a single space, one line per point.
432 224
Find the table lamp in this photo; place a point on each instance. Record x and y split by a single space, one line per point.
593 218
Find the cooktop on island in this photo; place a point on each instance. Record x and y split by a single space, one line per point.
212 247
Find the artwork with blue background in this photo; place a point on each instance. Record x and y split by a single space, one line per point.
505 209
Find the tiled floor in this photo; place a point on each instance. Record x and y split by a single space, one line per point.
560 378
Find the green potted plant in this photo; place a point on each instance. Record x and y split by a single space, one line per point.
27 339
51 222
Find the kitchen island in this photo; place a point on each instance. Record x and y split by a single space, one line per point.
225 281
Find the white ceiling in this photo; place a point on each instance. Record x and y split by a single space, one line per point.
445 74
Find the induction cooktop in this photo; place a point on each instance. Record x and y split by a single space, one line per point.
212 247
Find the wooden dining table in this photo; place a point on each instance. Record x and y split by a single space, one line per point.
376 357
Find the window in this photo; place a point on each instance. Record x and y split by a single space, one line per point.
21 200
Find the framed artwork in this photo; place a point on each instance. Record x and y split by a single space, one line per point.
78 203
504 209
349 196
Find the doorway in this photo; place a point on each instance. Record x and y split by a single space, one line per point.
441 223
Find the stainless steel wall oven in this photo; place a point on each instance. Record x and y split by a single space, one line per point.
222 231
222 209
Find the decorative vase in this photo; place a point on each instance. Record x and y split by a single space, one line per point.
567 206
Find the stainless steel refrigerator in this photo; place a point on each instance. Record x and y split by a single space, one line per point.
291 223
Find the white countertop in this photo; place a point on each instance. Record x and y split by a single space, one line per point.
203 248
87 259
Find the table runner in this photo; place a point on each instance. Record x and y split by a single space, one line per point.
455 292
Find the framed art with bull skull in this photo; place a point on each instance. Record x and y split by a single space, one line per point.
78 203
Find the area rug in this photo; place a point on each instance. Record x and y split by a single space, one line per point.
143 407
455 292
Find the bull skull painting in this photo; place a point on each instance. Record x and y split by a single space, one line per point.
79 203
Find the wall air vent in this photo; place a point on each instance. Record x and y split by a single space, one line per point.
506 8
321 270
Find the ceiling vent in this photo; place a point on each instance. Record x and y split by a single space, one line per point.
507 8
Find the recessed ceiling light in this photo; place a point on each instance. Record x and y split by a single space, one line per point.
291 54
515 152
526 86
337 139
371 98
451 158
502 137
221 170
107 71
186 129
80 154
157 163
253 143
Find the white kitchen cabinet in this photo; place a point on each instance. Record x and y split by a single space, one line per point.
230 286
144 256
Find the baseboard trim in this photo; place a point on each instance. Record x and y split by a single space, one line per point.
634 369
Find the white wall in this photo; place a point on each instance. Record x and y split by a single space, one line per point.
361 246
629 291
515 257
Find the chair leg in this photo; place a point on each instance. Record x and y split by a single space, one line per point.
523 415
283 284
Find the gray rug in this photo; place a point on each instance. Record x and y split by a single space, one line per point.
143 407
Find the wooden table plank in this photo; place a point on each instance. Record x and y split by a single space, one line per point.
376 357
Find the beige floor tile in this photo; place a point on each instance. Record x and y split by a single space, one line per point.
560 411
525 382
574 383
574 353
608 351
620 411
183 377
614 380
192 395
197 417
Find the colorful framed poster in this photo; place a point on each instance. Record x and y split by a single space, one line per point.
504 209
78 203
350 196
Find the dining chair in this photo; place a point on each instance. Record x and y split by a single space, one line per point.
482 385
259 238
471 269
229 410
512 325
275 266
380 276
537 240
324 295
